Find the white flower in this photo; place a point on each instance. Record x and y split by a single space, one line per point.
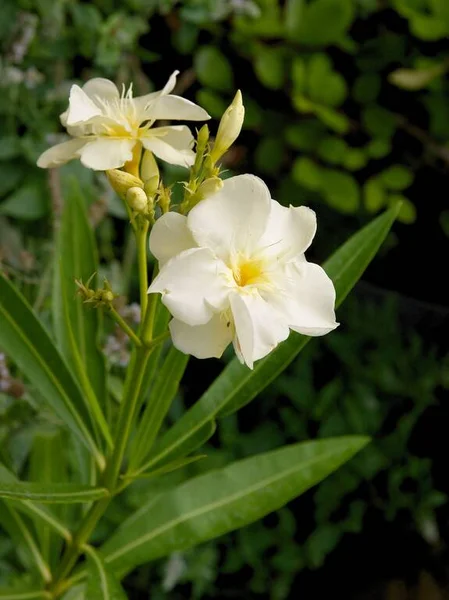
234 271
106 125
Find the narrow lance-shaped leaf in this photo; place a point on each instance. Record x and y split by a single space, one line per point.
76 254
162 394
101 581
223 500
48 464
237 385
51 493
35 511
6 594
27 343
78 327
19 531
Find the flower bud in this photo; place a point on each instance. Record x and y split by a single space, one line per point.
229 128
121 181
137 199
209 187
151 185
202 138
149 168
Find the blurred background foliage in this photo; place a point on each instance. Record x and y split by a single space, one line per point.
346 111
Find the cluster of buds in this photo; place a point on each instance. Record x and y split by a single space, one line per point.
205 180
102 297
138 192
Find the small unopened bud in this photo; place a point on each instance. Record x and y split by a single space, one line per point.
229 128
149 168
165 199
151 186
202 138
121 182
209 187
137 199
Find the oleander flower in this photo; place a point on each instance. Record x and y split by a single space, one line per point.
234 270
106 126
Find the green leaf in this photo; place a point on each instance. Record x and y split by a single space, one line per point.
374 194
48 464
25 340
162 394
378 147
325 21
306 172
354 159
305 135
294 15
51 493
9 147
324 86
213 69
269 66
223 500
212 102
35 511
28 202
269 155
25 595
341 191
332 149
407 211
378 121
366 88
101 580
396 177
20 532
237 385
169 451
78 327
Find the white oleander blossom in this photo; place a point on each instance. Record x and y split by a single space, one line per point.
106 125
234 270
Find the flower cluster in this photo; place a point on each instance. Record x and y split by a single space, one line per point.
232 264
234 270
106 126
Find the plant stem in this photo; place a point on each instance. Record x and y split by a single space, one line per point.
141 240
125 419
124 326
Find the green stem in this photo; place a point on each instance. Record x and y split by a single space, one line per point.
124 326
125 419
76 547
127 411
141 240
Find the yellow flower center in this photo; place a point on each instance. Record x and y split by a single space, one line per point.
248 271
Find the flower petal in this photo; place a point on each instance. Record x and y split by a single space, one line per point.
194 286
99 88
259 328
289 231
305 298
105 153
143 103
81 107
175 107
202 341
172 144
170 236
60 154
234 218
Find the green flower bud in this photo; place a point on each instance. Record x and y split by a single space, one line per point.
137 199
148 168
121 182
229 128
